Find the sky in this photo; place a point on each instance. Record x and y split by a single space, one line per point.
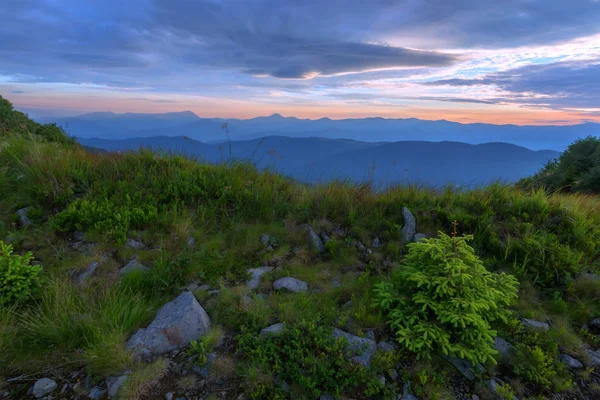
511 61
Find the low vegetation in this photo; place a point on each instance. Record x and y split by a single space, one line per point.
495 255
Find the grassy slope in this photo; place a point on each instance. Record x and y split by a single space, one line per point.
545 241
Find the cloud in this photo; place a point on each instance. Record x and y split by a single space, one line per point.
17 92
375 96
153 100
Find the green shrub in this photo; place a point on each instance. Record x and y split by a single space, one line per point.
18 278
443 300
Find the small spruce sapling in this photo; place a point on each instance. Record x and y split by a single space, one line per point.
443 300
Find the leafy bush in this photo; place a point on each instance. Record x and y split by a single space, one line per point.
18 278
443 300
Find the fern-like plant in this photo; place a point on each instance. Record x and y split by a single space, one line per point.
443 300
17 276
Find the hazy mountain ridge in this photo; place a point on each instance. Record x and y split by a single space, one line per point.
120 126
321 159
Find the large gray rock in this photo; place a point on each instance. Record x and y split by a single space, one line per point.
82 277
570 361
22 213
274 329
114 384
535 325
360 350
175 325
254 281
315 242
464 367
133 265
503 347
292 284
409 229
43 387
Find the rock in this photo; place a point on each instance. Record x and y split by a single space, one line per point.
592 277
595 323
22 213
316 244
370 334
393 374
339 233
594 357
474 397
361 350
169 396
386 346
326 238
191 241
292 284
570 361
192 287
409 229
270 249
175 325
265 239
533 324
79 236
381 379
133 265
376 243
96 393
326 397
361 247
503 347
254 281
114 384
406 392
336 283
274 329
136 244
203 371
464 367
65 387
87 273
419 236
44 386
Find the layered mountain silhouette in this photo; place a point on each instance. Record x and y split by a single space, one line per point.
107 125
320 159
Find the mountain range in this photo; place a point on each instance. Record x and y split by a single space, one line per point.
320 159
107 125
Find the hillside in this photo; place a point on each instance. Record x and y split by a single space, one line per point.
122 126
317 160
147 276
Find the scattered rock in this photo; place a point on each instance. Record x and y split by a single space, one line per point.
594 357
361 350
97 393
265 239
339 233
270 249
592 277
44 386
292 284
570 361
376 243
191 241
203 371
22 213
336 283
169 396
192 287
175 325
474 397
326 397
595 323
133 265
386 346
325 237
370 334
406 392
65 387
419 236
361 247
315 241
114 384
533 324
503 347
79 236
393 374
272 330
464 367
87 273
409 229
135 244
254 281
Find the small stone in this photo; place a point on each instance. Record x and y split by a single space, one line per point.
97 393
79 236
361 247
464 367
376 243
265 239
595 323
409 229
326 397
270 249
474 397
503 347
191 241
135 244
274 329
326 238
64 388
570 361
82 277
592 277
22 213
339 233
114 384
44 386
192 287
386 346
336 283
361 350
292 284
381 379
419 236
169 396
254 282
594 357
406 392
204 287
393 374
536 325
315 241
133 265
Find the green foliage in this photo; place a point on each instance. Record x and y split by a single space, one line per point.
197 350
505 392
309 356
18 278
443 300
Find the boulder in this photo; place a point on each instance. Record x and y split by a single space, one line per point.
419 236
254 281
43 387
22 214
316 244
175 325
570 361
114 384
135 244
503 347
360 350
409 229
465 367
536 325
376 243
274 329
292 284
82 277
133 265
